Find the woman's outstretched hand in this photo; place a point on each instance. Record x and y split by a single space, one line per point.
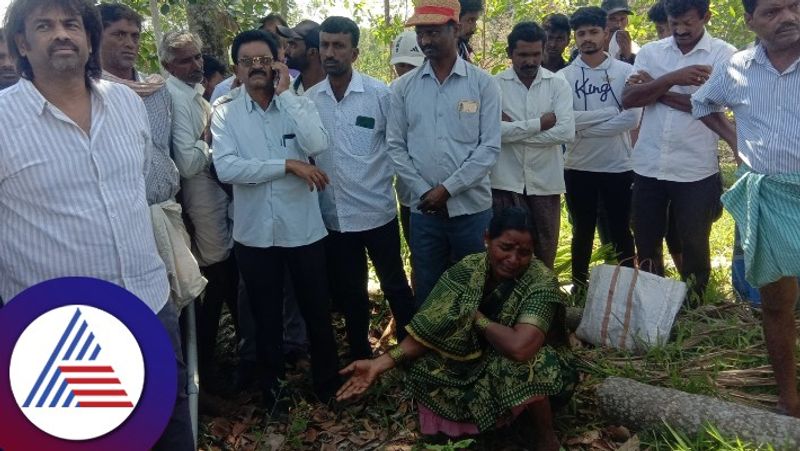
362 375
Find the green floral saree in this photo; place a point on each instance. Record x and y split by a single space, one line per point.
464 379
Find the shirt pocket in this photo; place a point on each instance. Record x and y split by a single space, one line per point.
361 139
466 125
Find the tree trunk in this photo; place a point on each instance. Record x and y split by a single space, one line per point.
210 21
640 406
387 12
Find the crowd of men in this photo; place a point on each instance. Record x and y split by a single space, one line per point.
267 190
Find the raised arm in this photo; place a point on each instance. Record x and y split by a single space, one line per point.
312 138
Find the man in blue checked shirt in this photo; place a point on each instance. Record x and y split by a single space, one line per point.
359 206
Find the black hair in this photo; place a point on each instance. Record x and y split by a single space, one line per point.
14 25
211 65
113 12
253 36
339 24
511 218
591 16
272 17
470 6
677 8
657 13
556 23
749 6
525 31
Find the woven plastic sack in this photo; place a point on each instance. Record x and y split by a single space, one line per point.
627 308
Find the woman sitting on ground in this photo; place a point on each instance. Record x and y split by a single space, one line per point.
478 352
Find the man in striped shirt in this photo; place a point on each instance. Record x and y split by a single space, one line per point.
73 158
761 85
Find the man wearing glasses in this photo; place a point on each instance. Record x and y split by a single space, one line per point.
262 143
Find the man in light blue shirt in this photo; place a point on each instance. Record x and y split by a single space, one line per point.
359 207
444 138
263 139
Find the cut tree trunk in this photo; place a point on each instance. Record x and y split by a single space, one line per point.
641 407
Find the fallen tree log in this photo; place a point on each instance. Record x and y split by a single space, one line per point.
645 407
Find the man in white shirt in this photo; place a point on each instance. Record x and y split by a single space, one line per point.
358 206
263 139
537 120
70 205
675 158
598 163
203 198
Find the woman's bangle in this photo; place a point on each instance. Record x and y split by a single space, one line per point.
482 323
397 355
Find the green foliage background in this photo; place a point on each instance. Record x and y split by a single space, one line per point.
727 23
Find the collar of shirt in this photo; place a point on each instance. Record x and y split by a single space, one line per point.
459 68
541 74
356 85
40 104
185 89
758 54
703 44
251 105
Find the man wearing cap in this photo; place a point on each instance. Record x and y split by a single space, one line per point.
620 45
406 56
302 54
444 137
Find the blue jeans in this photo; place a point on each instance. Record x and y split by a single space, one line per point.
437 243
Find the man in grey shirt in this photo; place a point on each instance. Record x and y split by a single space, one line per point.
444 138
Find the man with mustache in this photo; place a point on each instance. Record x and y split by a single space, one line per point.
8 72
471 11
675 157
598 171
761 85
359 207
302 54
444 136
263 139
537 119
203 198
73 166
